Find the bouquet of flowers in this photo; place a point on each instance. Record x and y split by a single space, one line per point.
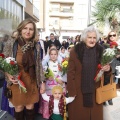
10 66
107 57
48 73
63 66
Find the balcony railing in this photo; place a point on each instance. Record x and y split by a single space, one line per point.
36 12
62 1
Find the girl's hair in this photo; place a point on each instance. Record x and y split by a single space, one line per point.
52 46
86 31
57 87
23 24
53 49
62 48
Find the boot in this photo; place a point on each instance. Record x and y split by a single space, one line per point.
110 102
19 115
30 114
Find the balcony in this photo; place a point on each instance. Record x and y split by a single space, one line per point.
60 14
35 12
61 10
62 1
66 9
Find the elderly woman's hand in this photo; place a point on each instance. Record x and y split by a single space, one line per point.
106 67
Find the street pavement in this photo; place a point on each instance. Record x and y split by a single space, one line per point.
5 116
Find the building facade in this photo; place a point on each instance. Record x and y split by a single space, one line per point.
65 18
12 12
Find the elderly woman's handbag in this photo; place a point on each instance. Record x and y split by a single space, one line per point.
106 92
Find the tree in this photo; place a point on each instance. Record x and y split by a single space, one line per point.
107 9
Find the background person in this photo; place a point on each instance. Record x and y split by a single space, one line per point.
53 41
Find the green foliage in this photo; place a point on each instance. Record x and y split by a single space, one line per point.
48 73
105 9
64 70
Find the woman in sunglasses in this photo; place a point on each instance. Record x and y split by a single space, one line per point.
112 36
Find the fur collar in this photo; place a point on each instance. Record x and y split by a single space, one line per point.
79 49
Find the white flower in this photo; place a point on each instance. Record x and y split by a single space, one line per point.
8 59
109 52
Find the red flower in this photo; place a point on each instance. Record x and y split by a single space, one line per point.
59 67
2 55
99 66
12 62
113 44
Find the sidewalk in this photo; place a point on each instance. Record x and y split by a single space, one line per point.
5 116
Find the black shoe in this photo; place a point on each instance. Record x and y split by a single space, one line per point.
110 102
105 104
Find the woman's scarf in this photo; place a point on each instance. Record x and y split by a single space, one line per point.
88 73
28 60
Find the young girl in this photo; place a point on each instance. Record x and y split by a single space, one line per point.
57 103
62 52
52 80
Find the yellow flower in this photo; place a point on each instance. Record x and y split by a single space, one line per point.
65 66
65 63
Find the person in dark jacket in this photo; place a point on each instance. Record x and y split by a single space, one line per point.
45 44
53 41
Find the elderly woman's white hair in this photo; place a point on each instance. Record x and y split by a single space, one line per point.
87 30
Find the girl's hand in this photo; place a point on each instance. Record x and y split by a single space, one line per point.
60 81
106 67
11 78
42 88
50 78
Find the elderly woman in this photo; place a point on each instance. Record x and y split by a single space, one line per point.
26 51
83 61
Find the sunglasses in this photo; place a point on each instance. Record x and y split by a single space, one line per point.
114 35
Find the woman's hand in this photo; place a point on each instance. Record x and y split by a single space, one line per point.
42 88
106 67
11 78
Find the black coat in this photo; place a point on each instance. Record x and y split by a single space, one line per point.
56 43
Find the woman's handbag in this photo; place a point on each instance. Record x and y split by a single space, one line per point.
8 93
2 75
106 92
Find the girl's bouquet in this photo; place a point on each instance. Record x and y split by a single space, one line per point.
10 66
48 73
107 57
63 66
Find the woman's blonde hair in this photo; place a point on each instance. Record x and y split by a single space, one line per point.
23 24
57 87
110 33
